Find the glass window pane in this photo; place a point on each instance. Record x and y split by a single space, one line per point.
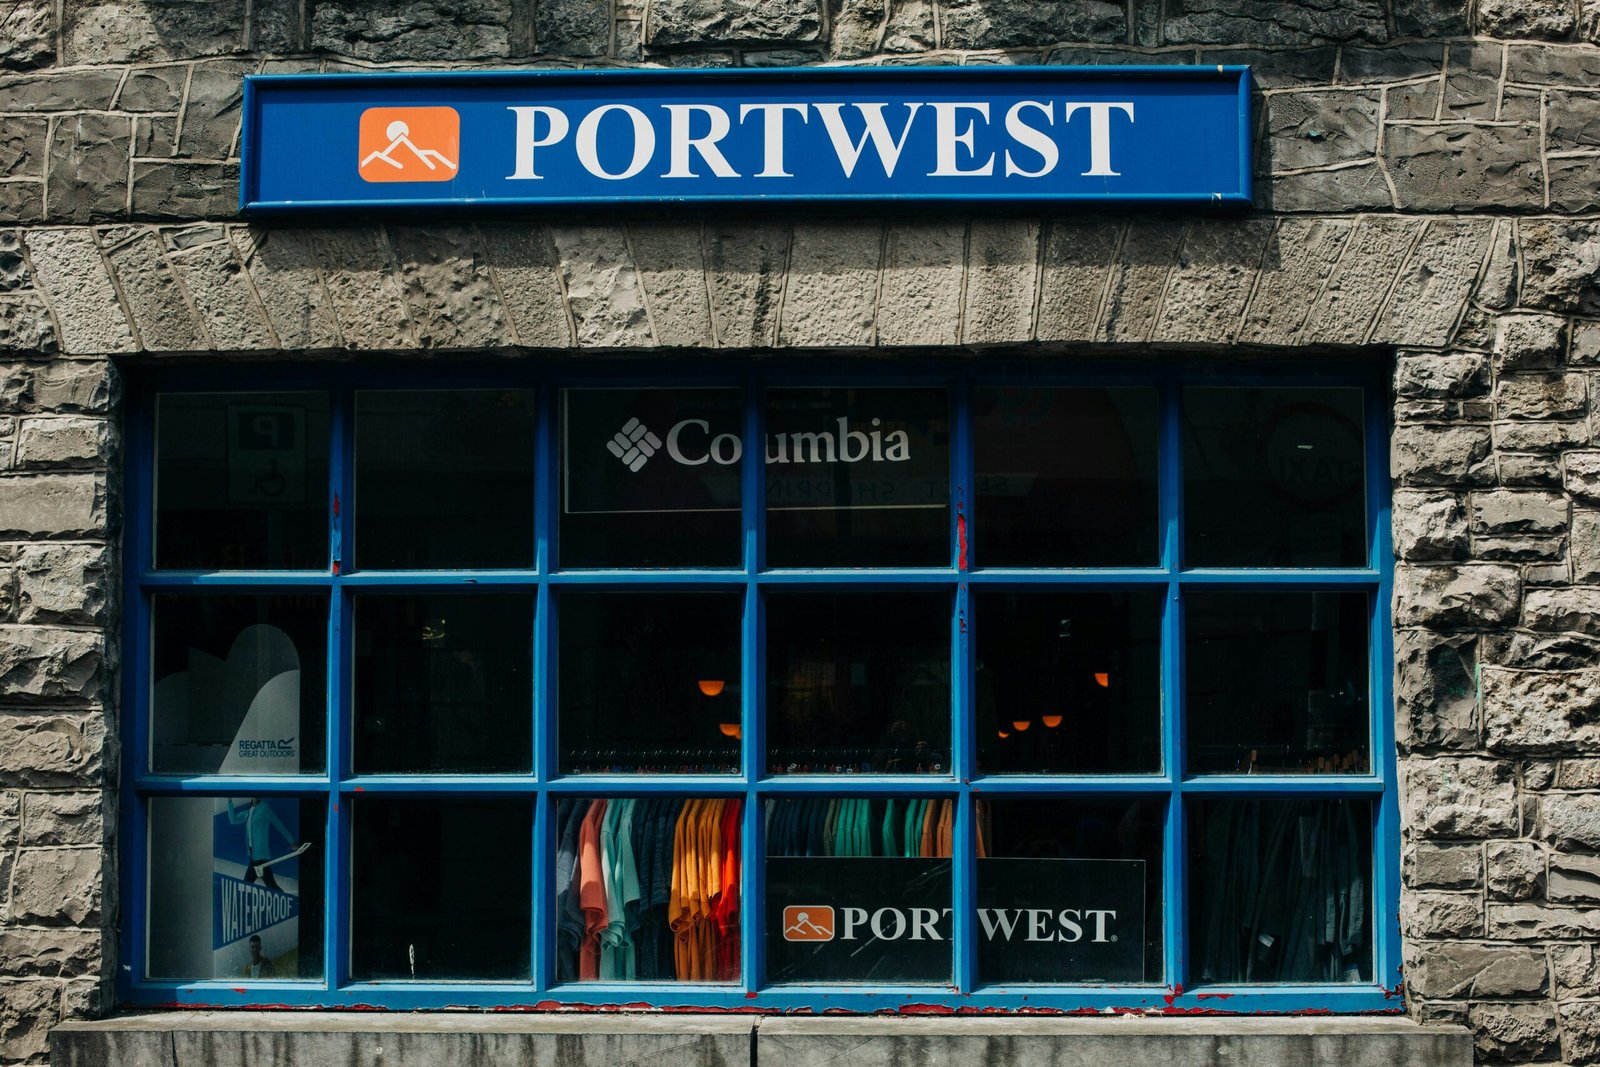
1277 682
444 478
650 477
1069 890
1066 478
1281 890
235 888
242 481
440 887
858 478
444 684
858 889
240 684
1068 683
858 683
647 889
650 683
1273 478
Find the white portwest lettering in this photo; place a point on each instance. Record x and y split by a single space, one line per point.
876 130
882 930
998 920
853 917
946 138
681 142
1041 924
772 135
1099 133
587 141
527 140
922 924
1032 137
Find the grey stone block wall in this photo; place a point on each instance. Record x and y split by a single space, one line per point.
1429 194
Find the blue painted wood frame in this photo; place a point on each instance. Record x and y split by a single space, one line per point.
965 992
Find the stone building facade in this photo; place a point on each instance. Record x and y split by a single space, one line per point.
1428 193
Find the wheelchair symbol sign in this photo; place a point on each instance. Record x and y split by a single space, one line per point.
266 454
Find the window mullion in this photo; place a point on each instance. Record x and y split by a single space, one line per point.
1386 950
1175 946
545 517
337 864
752 658
963 764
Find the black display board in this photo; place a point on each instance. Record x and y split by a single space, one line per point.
848 919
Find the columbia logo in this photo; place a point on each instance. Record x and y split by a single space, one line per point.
634 444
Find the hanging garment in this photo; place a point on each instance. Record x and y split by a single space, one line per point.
569 913
591 891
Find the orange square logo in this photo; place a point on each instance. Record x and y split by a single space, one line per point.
808 922
410 144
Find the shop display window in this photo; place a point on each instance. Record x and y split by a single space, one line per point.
994 685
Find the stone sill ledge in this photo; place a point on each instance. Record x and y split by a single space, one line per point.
435 1039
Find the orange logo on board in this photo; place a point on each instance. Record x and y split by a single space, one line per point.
803 922
410 144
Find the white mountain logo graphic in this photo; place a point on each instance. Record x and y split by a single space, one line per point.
808 922
400 137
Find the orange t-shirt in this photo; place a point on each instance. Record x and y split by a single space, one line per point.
930 830
680 904
591 891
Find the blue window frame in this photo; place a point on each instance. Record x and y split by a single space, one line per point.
1173 788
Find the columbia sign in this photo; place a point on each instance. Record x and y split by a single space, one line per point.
691 443
1047 134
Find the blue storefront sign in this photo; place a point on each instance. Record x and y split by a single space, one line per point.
1024 134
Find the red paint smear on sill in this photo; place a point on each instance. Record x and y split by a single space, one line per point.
961 540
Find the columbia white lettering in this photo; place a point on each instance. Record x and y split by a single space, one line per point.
1032 137
1099 134
706 144
772 135
644 141
822 450
527 141
946 138
876 130
673 448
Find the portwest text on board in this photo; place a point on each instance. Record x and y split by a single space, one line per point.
1025 134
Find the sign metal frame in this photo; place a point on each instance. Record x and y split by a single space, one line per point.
380 88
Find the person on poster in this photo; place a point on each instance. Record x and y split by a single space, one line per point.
260 966
259 821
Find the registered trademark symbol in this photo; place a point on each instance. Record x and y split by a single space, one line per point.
1113 937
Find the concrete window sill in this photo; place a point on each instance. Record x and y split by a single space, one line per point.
279 1039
